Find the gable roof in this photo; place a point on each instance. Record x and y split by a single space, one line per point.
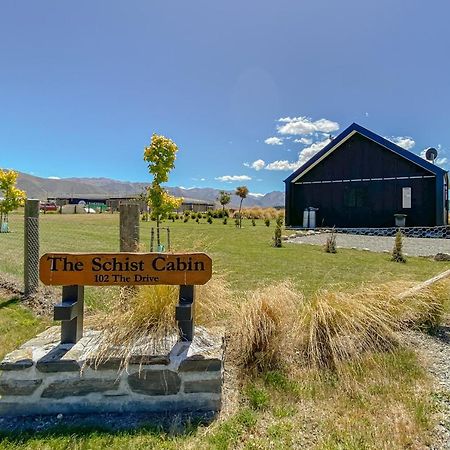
347 134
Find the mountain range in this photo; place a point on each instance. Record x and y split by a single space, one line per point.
43 188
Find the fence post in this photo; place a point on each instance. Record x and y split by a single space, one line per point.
129 227
31 246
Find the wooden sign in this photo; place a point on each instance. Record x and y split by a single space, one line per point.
101 269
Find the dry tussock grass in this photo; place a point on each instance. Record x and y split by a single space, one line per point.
145 322
263 328
276 326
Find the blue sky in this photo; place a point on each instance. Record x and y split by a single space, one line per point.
84 84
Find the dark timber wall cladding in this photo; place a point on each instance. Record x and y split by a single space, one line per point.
369 203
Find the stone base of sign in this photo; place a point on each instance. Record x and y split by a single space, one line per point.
46 377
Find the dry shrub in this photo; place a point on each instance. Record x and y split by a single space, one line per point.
424 309
263 328
146 323
339 326
276 326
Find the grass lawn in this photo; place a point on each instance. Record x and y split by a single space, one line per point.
385 406
244 255
17 324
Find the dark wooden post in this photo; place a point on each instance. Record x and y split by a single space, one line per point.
71 312
184 312
31 247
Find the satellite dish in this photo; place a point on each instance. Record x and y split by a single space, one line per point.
431 154
81 202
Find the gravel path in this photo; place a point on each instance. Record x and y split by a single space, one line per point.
435 350
411 246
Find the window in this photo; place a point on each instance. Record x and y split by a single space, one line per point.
406 197
355 197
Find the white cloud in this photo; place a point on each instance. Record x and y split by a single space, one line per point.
304 140
258 164
303 156
282 165
54 178
308 152
441 161
402 141
304 125
230 178
202 179
255 194
274 141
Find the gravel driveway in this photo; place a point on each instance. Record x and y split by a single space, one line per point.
411 246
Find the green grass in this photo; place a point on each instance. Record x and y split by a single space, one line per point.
17 324
244 255
386 407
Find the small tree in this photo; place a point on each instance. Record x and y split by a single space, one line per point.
397 251
10 197
160 156
224 198
242 192
277 235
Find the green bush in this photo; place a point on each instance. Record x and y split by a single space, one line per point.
210 221
267 222
277 235
225 220
253 222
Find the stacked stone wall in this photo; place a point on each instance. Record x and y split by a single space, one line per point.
442 232
44 377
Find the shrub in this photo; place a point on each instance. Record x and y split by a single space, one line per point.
263 328
277 234
197 220
209 220
330 244
339 326
253 222
237 222
150 312
397 251
225 220
199 215
267 222
186 219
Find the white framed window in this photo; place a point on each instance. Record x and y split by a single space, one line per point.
406 197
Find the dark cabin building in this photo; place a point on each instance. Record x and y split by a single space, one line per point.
361 179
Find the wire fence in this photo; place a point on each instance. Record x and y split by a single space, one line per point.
63 233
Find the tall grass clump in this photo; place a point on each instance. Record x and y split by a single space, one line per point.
330 244
341 326
263 328
277 327
146 322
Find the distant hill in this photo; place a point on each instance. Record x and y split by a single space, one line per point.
42 188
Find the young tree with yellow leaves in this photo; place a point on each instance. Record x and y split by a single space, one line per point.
10 197
160 156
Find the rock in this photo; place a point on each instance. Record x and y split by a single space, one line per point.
57 361
59 416
442 257
18 387
198 364
210 386
155 382
76 388
18 360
